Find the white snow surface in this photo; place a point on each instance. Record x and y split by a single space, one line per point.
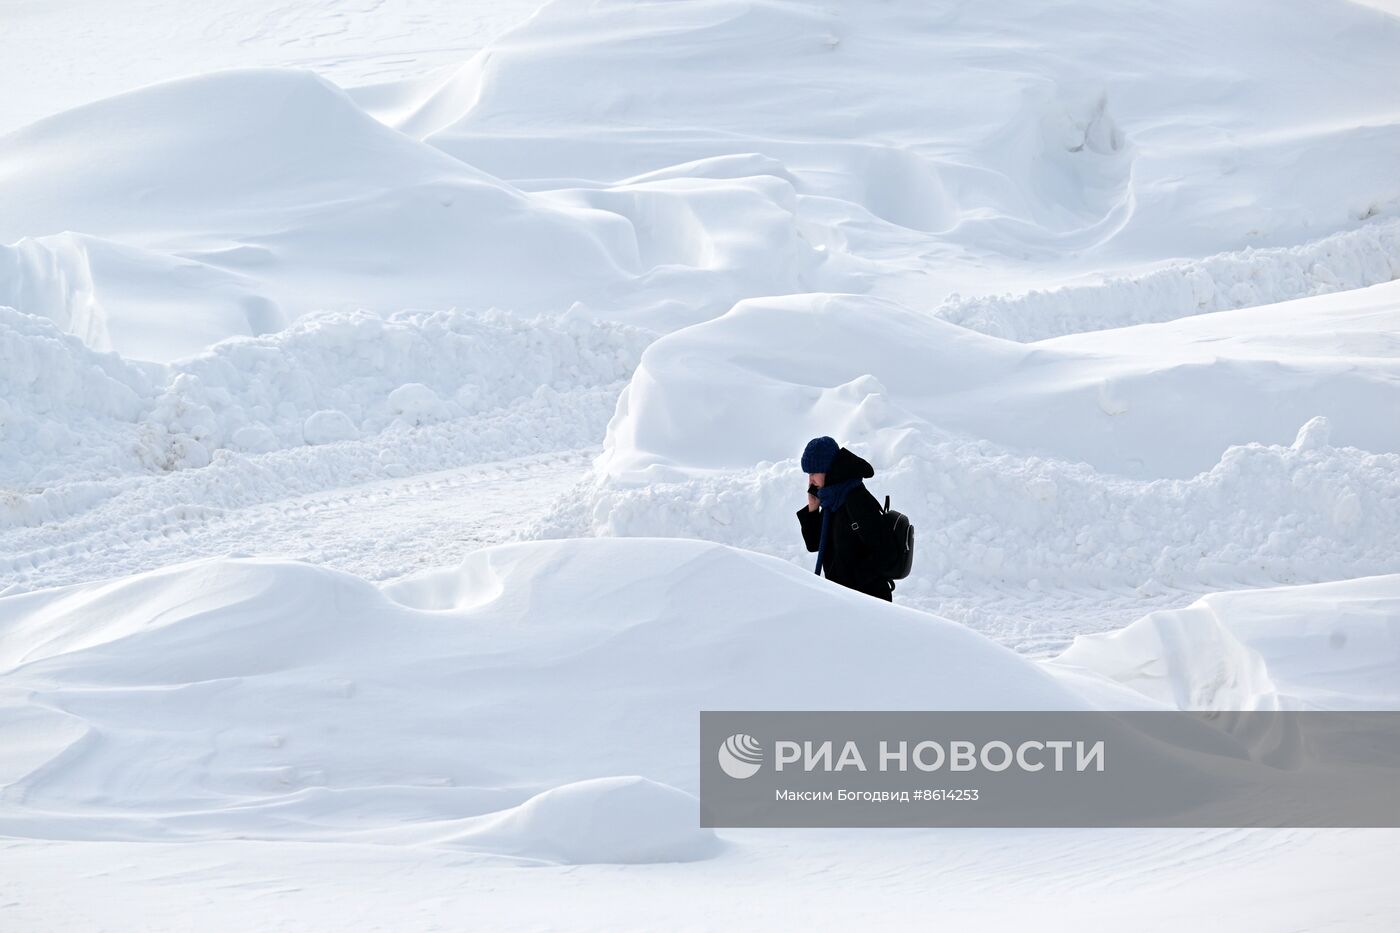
1130 401
74 414
1238 448
884 148
313 705
1329 645
210 704
110 47
400 407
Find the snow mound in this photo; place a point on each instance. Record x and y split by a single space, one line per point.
418 403
265 194
231 203
327 427
281 699
229 147
1329 645
977 440
669 160
72 415
1264 515
1369 255
619 820
131 300
754 384
1078 129
702 236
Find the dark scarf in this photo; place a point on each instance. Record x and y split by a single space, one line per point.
832 497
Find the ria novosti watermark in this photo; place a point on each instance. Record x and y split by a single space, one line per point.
927 755
1274 768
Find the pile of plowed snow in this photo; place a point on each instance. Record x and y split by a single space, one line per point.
232 203
1112 128
1329 645
1238 447
276 182
539 701
267 699
1368 255
1141 401
70 415
663 161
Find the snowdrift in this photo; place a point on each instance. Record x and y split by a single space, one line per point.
1101 458
267 699
229 150
908 224
118 297
1330 645
1121 128
232 203
625 820
71 418
1367 255
270 184
756 383
538 702
664 161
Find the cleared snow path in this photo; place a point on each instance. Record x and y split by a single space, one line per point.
1161 880
379 530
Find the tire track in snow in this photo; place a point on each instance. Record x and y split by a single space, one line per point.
380 530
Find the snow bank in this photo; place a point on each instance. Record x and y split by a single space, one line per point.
228 204
756 383
1265 514
976 439
1106 128
625 820
71 414
1369 255
704 235
668 160
539 701
135 301
285 700
1330 645
232 148
266 193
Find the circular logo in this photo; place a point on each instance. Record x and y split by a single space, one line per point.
741 756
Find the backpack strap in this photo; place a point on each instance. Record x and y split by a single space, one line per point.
865 523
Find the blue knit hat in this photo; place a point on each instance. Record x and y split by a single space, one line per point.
817 456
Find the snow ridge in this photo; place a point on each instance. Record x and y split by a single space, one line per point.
1265 514
73 414
1367 255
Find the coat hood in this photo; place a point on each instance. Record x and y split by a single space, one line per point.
846 466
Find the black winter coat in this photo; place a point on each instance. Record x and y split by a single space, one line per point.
853 554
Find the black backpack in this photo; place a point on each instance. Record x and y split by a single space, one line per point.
893 542
902 533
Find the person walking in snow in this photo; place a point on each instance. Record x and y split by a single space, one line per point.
841 520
